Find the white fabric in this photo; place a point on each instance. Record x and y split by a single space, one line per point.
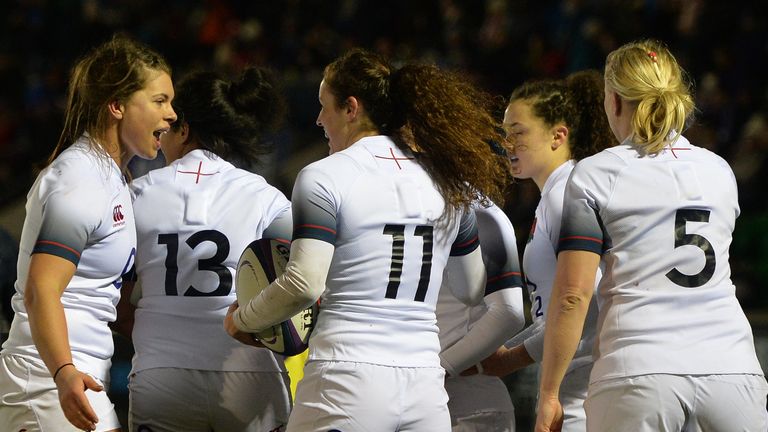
638 212
380 211
78 206
30 400
173 400
672 403
468 334
194 219
363 397
539 261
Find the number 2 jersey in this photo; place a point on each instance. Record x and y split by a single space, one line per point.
194 219
663 226
79 209
381 211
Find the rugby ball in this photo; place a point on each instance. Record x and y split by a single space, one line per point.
260 263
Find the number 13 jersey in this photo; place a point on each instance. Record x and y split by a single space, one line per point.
193 220
663 226
380 210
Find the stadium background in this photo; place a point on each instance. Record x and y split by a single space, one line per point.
498 44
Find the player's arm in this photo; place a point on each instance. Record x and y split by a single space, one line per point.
302 283
63 236
312 248
465 270
503 295
512 356
504 317
48 276
571 294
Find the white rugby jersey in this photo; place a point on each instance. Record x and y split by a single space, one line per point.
456 320
663 226
194 219
79 209
380 210
539 263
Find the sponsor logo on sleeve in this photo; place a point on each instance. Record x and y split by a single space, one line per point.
117 216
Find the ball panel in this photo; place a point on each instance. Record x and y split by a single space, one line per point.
260 264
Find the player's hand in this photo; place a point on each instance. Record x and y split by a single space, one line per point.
232 330
549 416
497 364
72 385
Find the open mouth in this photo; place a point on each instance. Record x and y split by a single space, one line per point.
513 158
158 133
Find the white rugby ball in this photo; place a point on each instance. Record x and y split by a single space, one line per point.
260 263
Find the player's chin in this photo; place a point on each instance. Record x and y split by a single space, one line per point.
149 151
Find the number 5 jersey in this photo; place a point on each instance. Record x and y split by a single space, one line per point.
666 300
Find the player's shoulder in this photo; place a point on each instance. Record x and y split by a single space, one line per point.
81 169
338 168
156 176
618 155
489 211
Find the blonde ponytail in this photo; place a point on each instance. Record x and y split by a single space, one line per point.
647 74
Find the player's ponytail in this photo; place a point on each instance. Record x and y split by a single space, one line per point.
647 74
445 121
589 129
449 123
229 118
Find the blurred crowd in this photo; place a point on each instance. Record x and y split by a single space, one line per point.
496 43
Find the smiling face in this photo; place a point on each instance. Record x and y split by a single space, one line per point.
333 120
146 115
531 153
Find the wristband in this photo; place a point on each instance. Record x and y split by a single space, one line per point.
60 368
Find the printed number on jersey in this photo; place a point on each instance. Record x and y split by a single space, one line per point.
683 238
212 264
407 248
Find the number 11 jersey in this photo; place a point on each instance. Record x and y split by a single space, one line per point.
381 211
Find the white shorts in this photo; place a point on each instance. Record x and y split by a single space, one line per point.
362 397
190 400
479 403
691 403
29 399
573 393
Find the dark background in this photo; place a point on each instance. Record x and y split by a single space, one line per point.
498 44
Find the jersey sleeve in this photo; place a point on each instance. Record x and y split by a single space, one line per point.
581 227
281 226
467 239
499 248
503 318
315 206
71 211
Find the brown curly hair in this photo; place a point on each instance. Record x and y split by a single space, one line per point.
576 101
446 121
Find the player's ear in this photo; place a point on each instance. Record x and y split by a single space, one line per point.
616 104
116 109
352 107
559 136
